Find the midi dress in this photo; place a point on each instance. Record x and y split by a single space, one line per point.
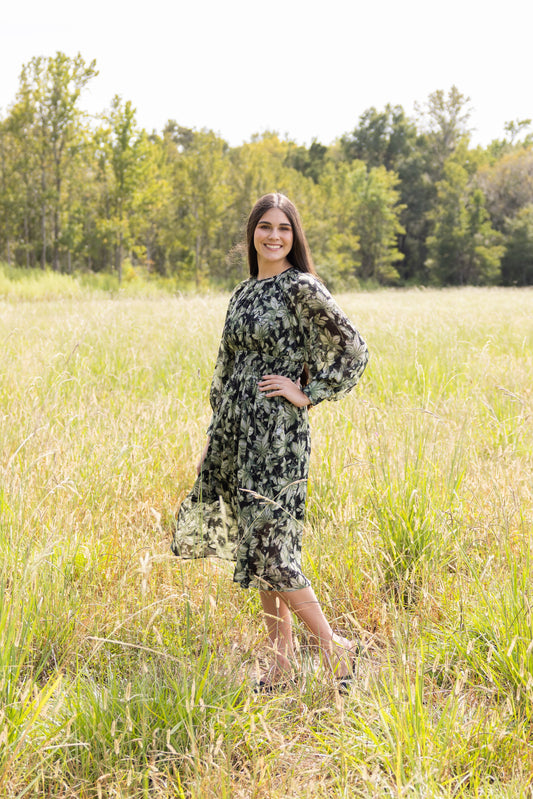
248 502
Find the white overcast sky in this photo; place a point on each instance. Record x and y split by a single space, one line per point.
306 69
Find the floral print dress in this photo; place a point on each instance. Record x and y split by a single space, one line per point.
248 502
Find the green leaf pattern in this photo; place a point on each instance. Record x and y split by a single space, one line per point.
248 503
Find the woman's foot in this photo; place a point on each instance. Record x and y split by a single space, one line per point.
342 657
276 678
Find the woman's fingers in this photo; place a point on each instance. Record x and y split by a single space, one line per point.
279 386
275 384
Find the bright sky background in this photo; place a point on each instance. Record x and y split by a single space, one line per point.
303 68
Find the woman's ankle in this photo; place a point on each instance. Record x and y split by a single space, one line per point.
339 655
283 664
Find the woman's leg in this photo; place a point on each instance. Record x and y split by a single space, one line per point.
279 627
334 648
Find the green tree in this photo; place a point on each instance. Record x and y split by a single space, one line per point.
381 138
464 248
21 190
81 210
444 119
123 157
154 203
333 236
516 128
517 262
47 108
310 161
195 235
442 128
390 139
378 225
11 197
21 194
360 222
124 145
507 185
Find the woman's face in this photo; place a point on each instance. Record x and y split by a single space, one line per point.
273 236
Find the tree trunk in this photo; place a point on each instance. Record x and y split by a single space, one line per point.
118 259
43 236
26 241
197 251
197 262
55 262
43 220
57 223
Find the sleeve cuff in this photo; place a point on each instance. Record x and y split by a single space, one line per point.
312 391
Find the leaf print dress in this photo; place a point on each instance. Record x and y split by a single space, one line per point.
248 502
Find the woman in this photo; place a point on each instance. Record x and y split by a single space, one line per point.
286 345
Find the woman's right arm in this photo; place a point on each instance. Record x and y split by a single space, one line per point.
223 370
224 363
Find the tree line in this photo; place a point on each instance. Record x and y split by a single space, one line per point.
398 200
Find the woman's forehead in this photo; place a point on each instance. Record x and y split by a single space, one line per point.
275 216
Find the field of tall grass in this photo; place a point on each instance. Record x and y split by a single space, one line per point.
127 673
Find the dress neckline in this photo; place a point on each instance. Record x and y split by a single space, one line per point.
273 277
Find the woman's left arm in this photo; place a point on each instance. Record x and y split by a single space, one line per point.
336 352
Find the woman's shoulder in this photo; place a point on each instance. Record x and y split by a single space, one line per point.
239 288
303 280
305 286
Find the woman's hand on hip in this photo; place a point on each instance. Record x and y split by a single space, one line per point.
279 386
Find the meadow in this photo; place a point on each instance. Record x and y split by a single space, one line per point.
128 673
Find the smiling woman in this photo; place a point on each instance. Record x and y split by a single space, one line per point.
286 345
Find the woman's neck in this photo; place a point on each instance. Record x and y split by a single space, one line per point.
268 269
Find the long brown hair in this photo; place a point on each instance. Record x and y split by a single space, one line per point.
299 256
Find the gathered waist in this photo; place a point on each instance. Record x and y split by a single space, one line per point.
252 363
